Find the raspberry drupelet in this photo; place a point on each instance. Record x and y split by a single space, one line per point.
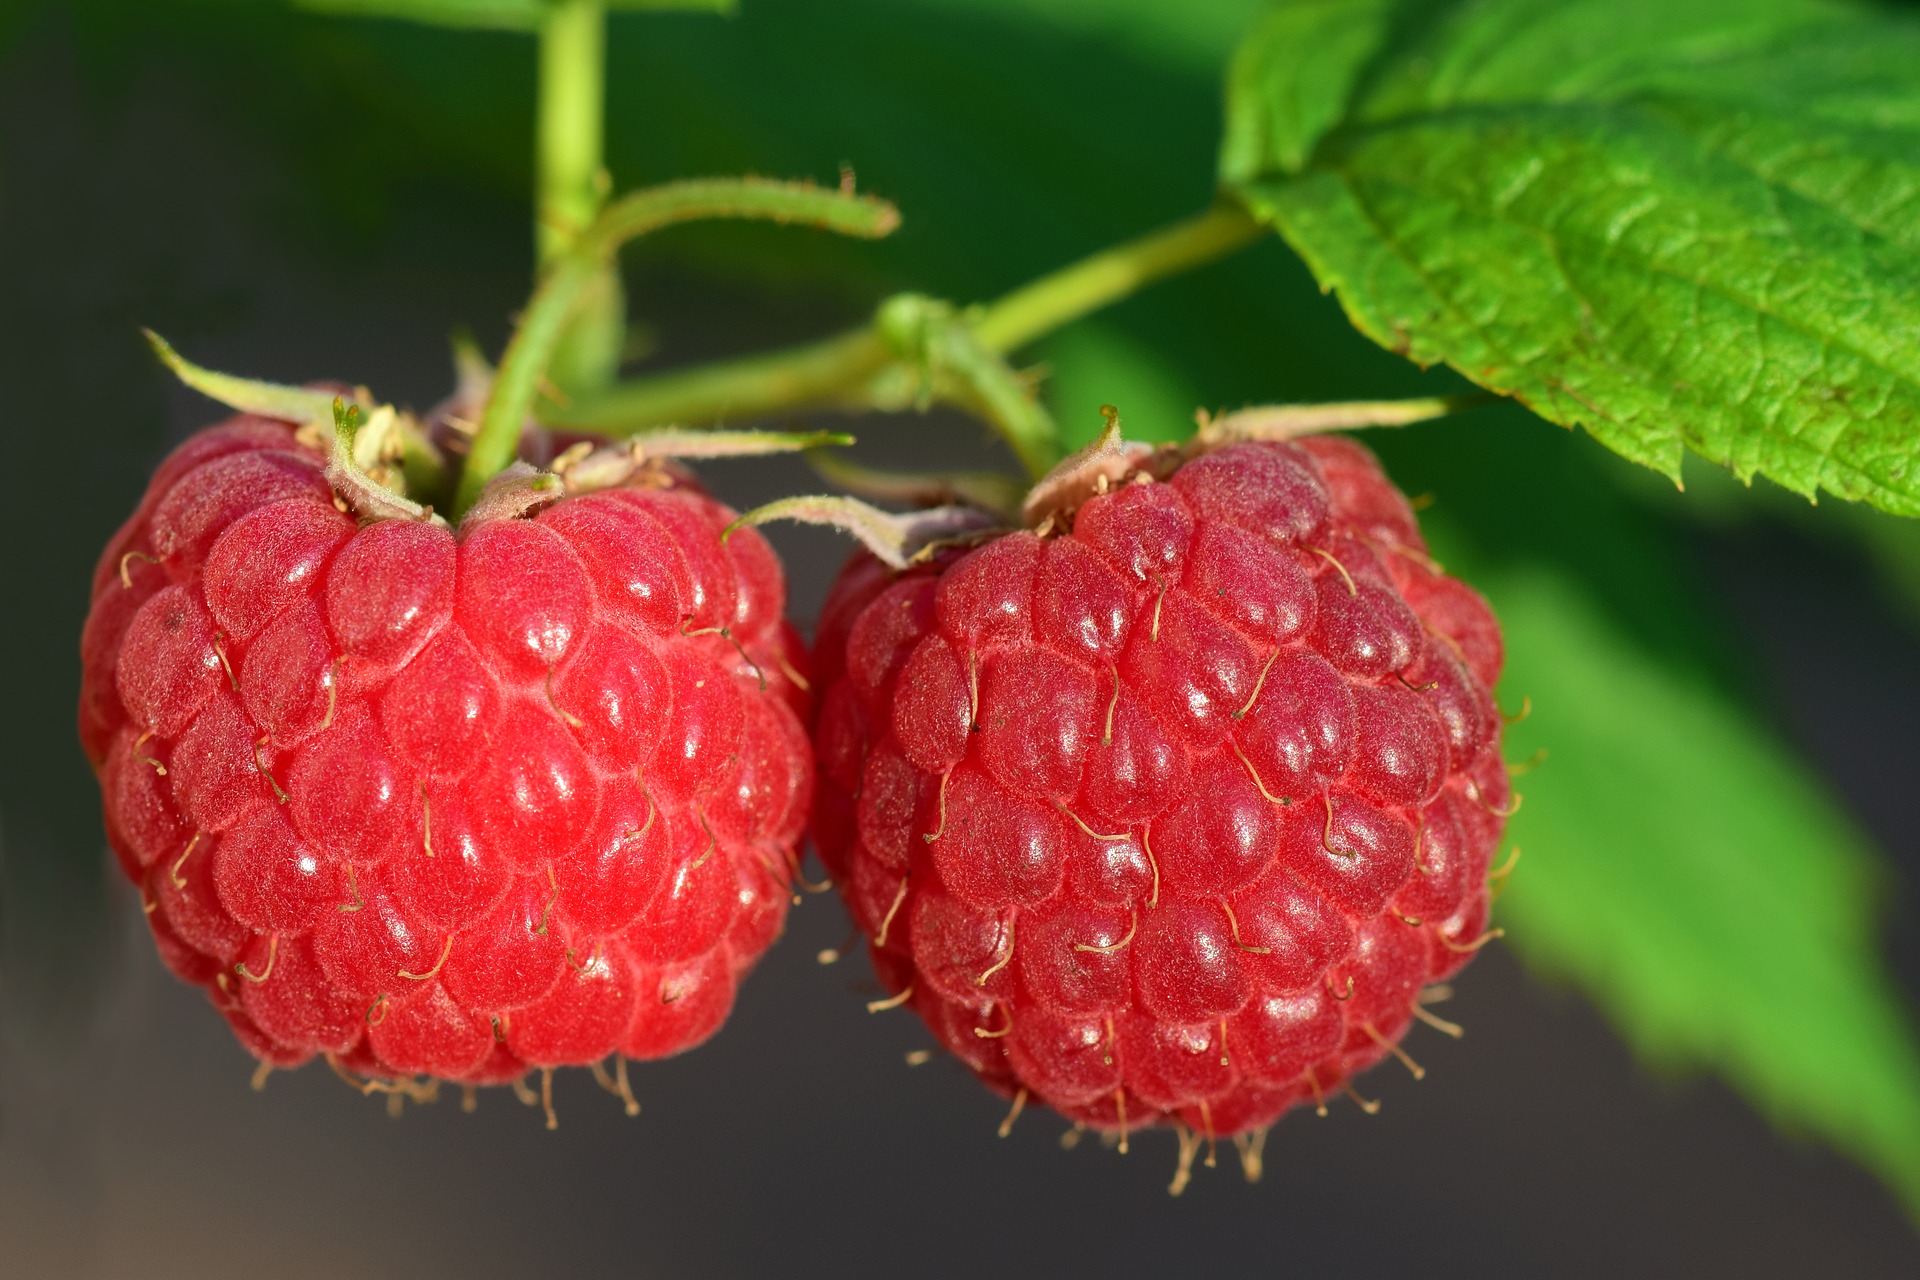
440 804
1168 810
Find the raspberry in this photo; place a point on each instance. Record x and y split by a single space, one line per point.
1169 811
438 804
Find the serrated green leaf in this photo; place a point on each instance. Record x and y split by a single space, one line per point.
486 15
1683 870
1679 224
1291 78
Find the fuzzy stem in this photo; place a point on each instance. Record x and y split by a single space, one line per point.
981 382
1106 277
814 376
570 129
541 324
844 370
572 183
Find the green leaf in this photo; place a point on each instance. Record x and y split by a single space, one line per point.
490 15
1679 224
1685 872
1291 78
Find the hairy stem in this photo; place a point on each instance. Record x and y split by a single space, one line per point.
572 184
539 332
846 370
1112 274
815 376
570 127
975 377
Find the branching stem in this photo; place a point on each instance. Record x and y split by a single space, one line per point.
1112 274
538 334
858 369
830 373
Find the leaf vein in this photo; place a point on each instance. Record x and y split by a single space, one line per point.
1820 454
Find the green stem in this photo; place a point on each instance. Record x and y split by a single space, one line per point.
573 58
541 324
978 379
844 370
1092 283
815 376
572 185
763 199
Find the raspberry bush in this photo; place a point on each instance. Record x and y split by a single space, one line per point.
1165 789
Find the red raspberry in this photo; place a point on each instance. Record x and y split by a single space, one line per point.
445 805
1168 812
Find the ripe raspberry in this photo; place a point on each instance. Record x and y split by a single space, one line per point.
445 805
1168 811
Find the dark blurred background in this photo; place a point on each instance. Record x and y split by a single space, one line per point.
293 197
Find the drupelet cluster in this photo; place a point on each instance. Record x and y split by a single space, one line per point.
1169 811
439 803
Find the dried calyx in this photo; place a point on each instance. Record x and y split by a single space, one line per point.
1102 465
365 461
386 464
377 455
963 508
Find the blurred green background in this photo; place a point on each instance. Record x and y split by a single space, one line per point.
1723 684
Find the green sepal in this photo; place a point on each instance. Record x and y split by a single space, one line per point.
1291 421
1105 460
610 466
250 395
895 540
518 491
989 490
358 452
670 442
